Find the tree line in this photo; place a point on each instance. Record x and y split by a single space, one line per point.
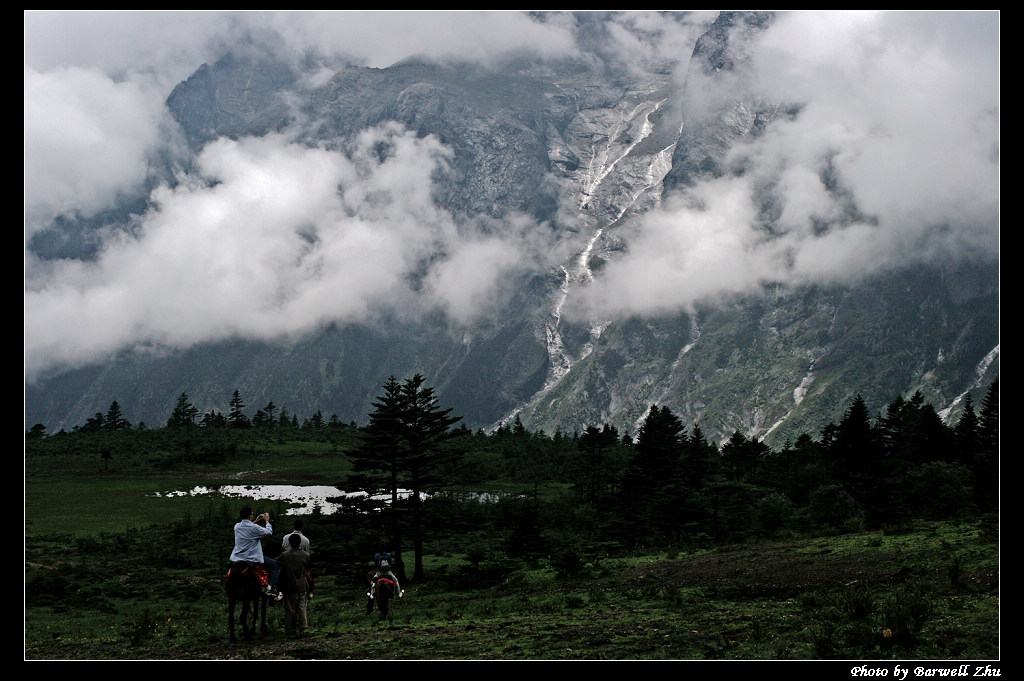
599 490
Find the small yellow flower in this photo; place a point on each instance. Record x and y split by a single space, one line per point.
886 633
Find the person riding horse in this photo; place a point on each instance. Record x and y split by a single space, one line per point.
382 565
248 547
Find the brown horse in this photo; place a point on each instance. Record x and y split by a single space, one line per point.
384 594
243 585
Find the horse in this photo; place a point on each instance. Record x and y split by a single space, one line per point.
383 595
243 585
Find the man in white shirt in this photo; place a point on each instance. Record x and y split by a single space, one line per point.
303 539
249 548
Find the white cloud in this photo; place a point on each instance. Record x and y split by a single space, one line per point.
268 237
381 38
87 139
895 145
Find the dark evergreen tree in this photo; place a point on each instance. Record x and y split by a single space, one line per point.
653 487
426 428
808 470
700 459
986 464
406 442
184 413
891 427
741 457
261 420
316 421
597 471
114 419
517 427
382 447
923 437
270 409
213 419
966 435
236 417
912 436
656 451
856 453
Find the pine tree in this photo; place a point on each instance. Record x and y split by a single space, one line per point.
114 419
856 453
986 466
653 483
966 434
213 419
406 442
427 429
93 424
598 472
700 459
742 456
657 450
316 421
237 418
184 413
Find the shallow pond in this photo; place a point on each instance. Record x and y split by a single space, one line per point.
309 496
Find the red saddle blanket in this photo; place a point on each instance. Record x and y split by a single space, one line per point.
256 569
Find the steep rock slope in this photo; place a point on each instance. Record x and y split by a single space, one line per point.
582 152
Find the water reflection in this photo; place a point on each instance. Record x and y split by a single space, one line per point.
325 497
328 499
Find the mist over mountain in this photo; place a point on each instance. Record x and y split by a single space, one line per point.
747 217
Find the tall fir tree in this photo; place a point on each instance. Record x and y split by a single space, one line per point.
987 464
184 413
857 456
236 417
427 430
966 436
653 485
114 419
406 443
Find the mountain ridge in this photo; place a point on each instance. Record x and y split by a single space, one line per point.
583 155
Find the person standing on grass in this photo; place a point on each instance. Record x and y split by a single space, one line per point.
294 566
296 529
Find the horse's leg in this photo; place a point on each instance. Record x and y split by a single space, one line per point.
263 615
231 617
255 614
248 629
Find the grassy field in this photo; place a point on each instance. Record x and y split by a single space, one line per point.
850 597
104 582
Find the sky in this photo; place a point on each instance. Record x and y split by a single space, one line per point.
899 110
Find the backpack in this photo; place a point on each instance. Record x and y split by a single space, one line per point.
384 565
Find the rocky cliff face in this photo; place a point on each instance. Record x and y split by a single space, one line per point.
580 152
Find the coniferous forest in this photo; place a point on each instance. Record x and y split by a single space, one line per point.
667 485
512 499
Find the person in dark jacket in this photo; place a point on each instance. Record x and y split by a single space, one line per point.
294 564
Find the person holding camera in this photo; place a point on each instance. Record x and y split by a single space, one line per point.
249 547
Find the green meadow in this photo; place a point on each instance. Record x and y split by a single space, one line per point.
114 570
